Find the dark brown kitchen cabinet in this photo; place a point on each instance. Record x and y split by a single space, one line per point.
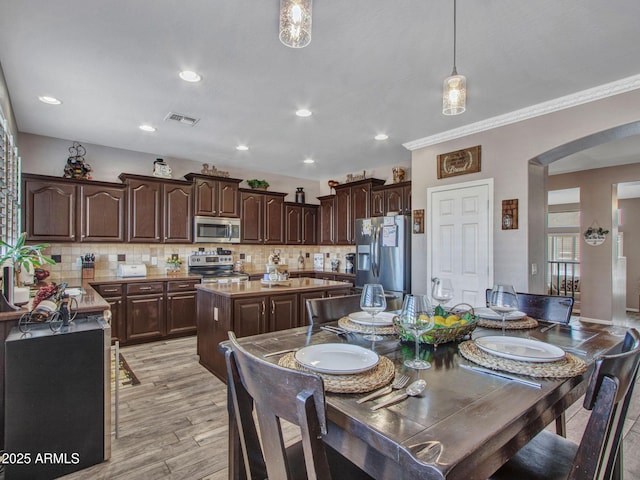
215 196
262 217
283 313
102 213
326 222
265 313
114 295
391 198
49 212
181 308
145 308
352 201
304 315
300 224
158 210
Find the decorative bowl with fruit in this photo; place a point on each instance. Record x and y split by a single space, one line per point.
450 325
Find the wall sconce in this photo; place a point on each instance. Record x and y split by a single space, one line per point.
295 23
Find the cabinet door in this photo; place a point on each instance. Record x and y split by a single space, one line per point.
181 313
229 200
339 293
145 317
377 203
206 197
394 200
102 214
283 313
50 211
309 225
326 223
145 214
293 225
118 331
360 207
342 213
407 199
178 216
251 219
273 219
304 315
249 316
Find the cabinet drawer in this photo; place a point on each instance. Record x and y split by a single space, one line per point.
181 286
144 288
107 291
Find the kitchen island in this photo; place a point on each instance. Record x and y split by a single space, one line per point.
251 308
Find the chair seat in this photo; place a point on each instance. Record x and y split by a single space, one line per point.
340 467
533 461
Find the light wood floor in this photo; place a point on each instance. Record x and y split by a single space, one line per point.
174 424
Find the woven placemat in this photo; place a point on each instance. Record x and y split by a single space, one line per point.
351 326
377 377
525 323
569 366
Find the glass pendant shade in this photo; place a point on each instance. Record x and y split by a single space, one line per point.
295 23
454 97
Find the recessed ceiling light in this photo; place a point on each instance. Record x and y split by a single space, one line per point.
381 136
303 112
49 100
309 160
147 128
189 76
242 148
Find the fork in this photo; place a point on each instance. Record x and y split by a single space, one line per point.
333 329
397 384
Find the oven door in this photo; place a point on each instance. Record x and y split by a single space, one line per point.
216 230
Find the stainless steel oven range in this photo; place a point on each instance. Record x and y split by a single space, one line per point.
214 268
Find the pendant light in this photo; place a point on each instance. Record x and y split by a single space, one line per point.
295 23
454 96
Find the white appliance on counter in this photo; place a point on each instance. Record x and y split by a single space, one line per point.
132 270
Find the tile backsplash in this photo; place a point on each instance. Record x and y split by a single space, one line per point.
108 256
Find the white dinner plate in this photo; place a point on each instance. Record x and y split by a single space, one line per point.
485 312
337 358
364 318
517 348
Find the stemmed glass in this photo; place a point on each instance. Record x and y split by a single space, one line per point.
417 317
503 300
373 301
441 290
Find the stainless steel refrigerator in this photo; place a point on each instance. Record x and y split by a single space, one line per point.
383 253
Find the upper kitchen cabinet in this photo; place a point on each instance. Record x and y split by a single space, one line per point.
159 210
262 217
300 224
56 209
326 223
215 196
391 198
352 201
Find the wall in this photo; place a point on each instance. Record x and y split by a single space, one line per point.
506 152
5 105
631 229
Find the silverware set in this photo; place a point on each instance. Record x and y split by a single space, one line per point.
334 329
397 384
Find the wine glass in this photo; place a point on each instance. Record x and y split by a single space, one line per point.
502 300
441 290
373 301
417 317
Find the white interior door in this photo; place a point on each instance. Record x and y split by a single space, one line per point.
460 226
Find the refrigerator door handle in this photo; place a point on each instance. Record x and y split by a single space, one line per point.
376 251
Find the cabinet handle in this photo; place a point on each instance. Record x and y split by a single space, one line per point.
273 307
110 290
183 286
264 308
145 288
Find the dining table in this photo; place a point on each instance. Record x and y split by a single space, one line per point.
463 426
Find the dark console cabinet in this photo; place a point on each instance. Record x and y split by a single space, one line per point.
57 399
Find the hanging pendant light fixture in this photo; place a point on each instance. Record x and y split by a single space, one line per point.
454 97
295 23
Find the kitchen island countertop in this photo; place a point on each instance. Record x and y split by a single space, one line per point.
256 287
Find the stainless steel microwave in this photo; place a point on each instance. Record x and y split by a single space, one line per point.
216 230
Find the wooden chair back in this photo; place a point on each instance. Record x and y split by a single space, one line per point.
552 308
323 310
608 397
277 393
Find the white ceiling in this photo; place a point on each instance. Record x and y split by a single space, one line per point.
372 66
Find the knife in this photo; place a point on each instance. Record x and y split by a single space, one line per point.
379 393
502 375
280 352
394 399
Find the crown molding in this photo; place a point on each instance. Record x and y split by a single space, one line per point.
544 108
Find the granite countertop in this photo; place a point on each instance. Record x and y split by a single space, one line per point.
256 287
255 270
182 276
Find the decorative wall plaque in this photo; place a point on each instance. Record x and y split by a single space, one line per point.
510 214
459 162
418 221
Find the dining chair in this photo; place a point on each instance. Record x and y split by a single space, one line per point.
323 310
281 393
551 308
599 455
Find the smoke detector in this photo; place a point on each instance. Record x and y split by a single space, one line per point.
180 118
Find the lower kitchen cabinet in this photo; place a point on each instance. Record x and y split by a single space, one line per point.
303 305
181 308
145 317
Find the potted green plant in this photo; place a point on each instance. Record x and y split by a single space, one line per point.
258 184
17 257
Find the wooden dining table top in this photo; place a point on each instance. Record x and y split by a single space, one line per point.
466 424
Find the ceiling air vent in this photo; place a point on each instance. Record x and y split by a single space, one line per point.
184 119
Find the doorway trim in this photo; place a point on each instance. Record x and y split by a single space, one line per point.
488 182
